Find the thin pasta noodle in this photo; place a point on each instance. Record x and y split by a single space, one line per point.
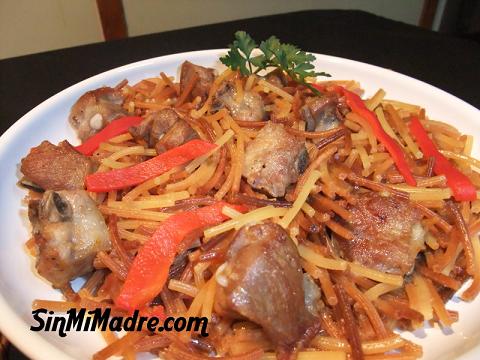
198 178
149 184
238 165
364 158
331 205
134 214
259 214
300 200
402 105
307 209
250 82
449 142
230 177
474 288
376 275
440 278
403 131
419 297
113 265
440 181
367 305
132 236
322 157
438 305
439 126
133 224
276 90
339 229
321 261
376 99
325 282
188 88
417 193
462 158
107 146
378 290
467 149
220 142
182 287
368 347
121 138
169 82
464 238
366 128
352 125
213 181
115 164
207 305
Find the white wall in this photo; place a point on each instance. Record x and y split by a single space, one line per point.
149 16
29 26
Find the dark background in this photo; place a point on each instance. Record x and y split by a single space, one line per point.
450 62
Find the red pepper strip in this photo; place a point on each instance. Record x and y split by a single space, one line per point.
462 187
357 105
149 271
136 174
116 127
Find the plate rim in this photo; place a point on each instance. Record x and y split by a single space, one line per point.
11 324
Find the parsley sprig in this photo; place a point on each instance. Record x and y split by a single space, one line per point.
274 54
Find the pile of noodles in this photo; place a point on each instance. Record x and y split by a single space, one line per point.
343 162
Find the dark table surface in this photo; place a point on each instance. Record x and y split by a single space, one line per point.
449 63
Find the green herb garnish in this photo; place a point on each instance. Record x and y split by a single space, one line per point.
286 57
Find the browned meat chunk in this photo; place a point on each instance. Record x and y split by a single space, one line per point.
321 113
56 167
387 234
205 79
69 230
164 130
262 281
154 126
180 133
249 108
94 110
274 159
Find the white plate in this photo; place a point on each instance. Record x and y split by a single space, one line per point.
19 284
